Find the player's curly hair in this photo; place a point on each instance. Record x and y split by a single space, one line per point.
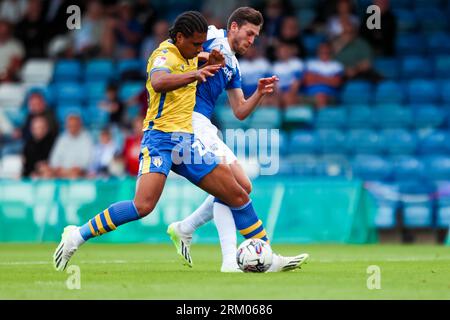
187 23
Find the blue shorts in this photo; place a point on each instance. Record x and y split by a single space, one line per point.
179 152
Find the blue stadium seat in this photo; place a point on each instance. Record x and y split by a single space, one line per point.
311 43
389 92
388 67
357 92
333 166
331 118
285 167
399 141
438 43
427 4
407 20
331 141
438 167
428 116
417 203
445 90
401 4
99 70
97 117
432 19
359 117
364 141
69 92
391 116
227 119
410 44
63 110
442 66
305 165
372 168
131 65
266 118
434 142
416 67
67 71
303 142
423 91
299 114
130 89
408 168
387 203
96 90
443 205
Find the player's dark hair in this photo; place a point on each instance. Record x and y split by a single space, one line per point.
187 23
245 15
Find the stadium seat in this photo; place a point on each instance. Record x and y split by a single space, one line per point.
438 43
273 142
443 215
311 43
442 66
438 167
331 141
227 119
331 118
434 142
63 110
304 165
359 117
408 168
97 118
417 203
69 92
389 92
428 116
364 141
388 67
432 19
401 4
423 91
416 67
99 70
391 116
266 118
37 71
387 201
371 168
298 115
445 90
407 20
131 68
410 44
399 141
67 71
303 142
96 90
333 166
11 95
130 89
357 92
427 4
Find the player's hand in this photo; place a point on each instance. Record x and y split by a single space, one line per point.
267 85
208 71
216 57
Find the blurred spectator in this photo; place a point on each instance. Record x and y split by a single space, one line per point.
132 147
290 32
344 12
32 30
382 40
355 54
127 32
104 152
273 14
12 10
90 40
11 53
289 70
150 43
323 77
146 15
72 152
37 149
141 100
113 105
253 66
37 107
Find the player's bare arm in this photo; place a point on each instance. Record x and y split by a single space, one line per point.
242 107
163 81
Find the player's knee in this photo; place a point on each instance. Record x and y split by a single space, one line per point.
247 186
240 198
144 208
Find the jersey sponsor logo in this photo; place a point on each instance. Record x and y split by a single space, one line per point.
228 73
157 161
159 61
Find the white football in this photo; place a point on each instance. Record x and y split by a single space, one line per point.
254 255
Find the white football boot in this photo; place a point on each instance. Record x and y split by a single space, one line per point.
65 249
182 242
281 264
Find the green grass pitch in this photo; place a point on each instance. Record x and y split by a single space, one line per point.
138 271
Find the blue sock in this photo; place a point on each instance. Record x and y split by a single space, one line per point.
247 221
109 219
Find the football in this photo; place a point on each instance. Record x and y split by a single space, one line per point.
254 255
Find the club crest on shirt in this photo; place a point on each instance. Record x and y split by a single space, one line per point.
159 61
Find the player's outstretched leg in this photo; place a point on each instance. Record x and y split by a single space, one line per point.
281 263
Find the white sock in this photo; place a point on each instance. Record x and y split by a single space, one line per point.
199 217
223 218
77 238
275 266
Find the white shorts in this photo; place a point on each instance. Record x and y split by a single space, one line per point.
206 132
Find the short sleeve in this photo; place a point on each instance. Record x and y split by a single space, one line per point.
235 82
164 60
